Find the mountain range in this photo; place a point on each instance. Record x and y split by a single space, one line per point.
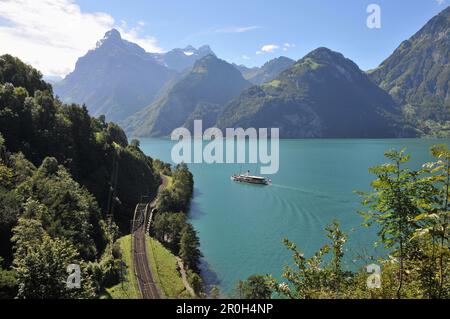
267 72
182 59
116 79
323 94
199 94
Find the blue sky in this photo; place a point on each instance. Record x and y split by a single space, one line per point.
51 35
339 25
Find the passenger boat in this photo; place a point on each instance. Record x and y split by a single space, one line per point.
247 178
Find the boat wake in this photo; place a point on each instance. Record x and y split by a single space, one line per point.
312 193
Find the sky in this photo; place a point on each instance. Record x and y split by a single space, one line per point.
52 34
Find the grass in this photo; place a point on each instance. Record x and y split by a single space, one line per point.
128 289
164 269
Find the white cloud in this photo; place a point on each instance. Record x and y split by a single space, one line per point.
134 35
440 2
246 57
268 48
238 29
288 46
51 35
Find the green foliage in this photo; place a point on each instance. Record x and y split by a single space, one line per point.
394 203
41 264
177 199
162 168
402 201
135 143
197 284
65 209
8 283
189 248
255 287
116 135
167 229
315 278
2 148
14 71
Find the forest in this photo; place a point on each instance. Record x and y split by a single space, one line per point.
68 187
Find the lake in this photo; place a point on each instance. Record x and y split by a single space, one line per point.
241 227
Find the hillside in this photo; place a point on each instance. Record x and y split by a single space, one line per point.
208 86
322 95
417 74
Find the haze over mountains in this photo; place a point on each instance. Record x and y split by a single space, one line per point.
116 79
182 59
267 72
322 95
200 94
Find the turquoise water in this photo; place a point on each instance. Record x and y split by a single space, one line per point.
241 227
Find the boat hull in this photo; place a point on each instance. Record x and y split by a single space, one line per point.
250 180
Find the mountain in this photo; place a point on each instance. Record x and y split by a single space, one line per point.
182 59
323 95
267 72
201 92
417 74
116 79
52 79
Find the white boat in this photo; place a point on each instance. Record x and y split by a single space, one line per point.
247 178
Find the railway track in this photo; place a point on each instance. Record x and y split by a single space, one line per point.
143 272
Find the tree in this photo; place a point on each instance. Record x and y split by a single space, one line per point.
64 208
255 287
41 262
167 229
197 284
434 224
2 149
8 283
399 197
338 240
135 143
14 71
117 135
314 277
189 248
